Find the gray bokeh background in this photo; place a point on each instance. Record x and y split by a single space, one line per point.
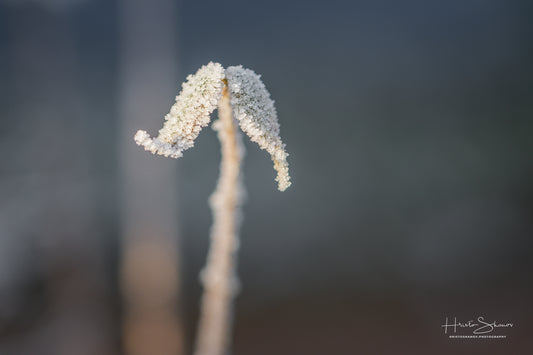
409 129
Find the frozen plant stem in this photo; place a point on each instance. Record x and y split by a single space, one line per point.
219 276
242 100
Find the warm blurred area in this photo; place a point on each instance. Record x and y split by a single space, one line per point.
409 126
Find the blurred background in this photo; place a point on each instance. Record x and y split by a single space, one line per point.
409 128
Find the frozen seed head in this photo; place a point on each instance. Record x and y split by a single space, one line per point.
198 98
254 110
251 105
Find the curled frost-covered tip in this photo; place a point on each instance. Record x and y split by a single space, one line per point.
191 112
155 146
251 105
254 110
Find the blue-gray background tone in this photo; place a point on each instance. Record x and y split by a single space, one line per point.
409 128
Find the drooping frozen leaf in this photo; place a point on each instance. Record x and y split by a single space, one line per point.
191 112
254 110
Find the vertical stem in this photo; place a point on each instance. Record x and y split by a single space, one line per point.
219 277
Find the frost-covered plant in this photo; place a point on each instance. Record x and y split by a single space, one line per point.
241 98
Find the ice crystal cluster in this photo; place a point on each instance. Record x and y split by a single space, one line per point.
198 98
252 108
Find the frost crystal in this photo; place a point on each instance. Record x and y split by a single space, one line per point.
254 110
198 98
251 105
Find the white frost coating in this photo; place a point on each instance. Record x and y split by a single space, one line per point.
254 110
251 105
244 100
195 103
